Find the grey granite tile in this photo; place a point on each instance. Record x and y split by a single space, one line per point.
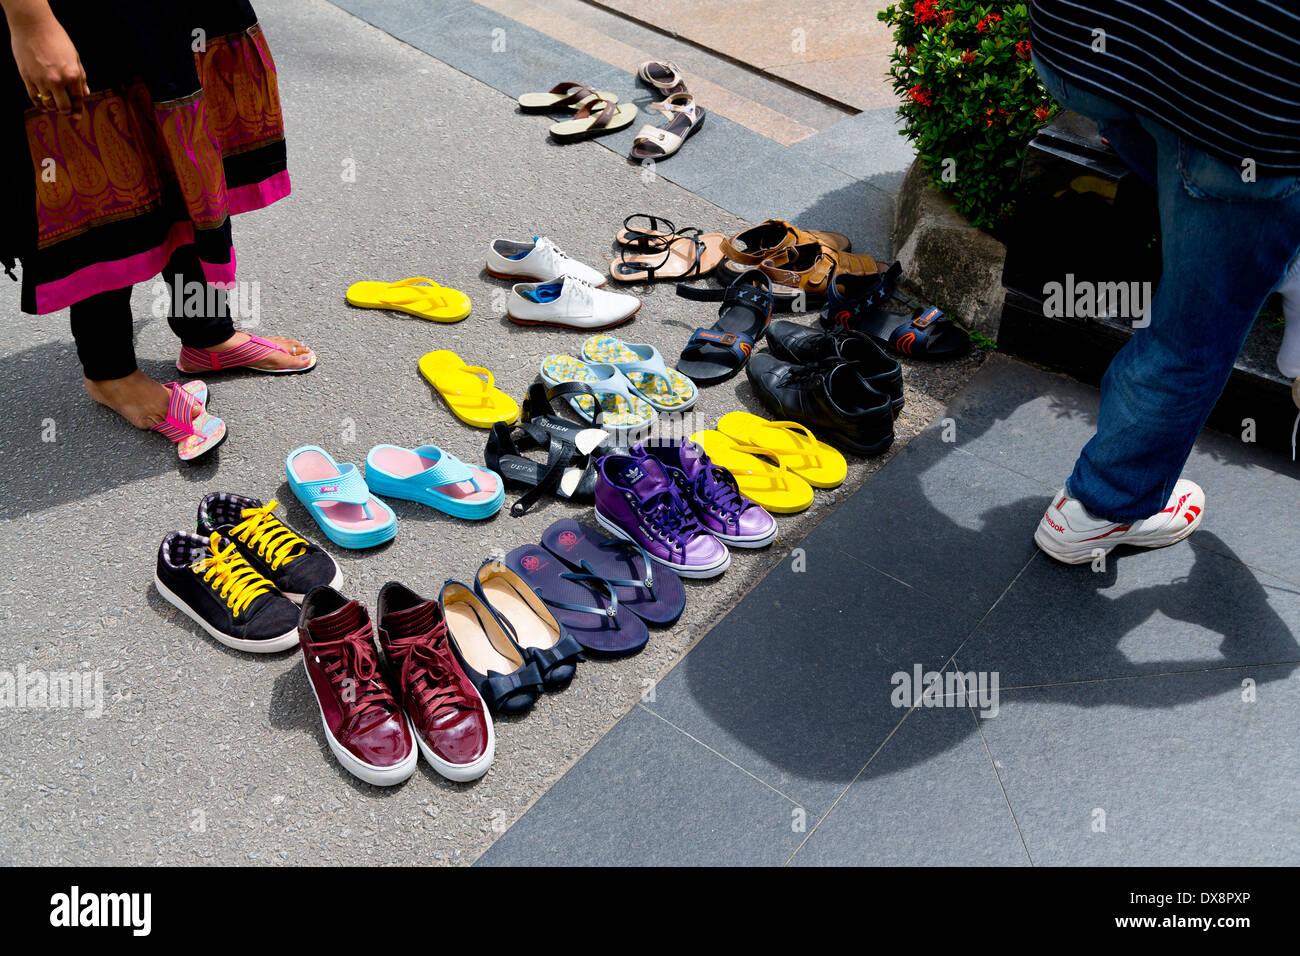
930 798
863 146
976 520
810 194
1178 770
647 794
795 683
1170 610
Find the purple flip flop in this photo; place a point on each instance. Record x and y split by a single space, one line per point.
623 564
583 602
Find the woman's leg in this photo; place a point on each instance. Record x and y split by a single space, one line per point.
102 328
200 315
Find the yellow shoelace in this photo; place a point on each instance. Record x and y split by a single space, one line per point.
263 531
227 573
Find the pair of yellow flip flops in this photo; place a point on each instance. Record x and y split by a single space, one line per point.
776 464
415 296
469 390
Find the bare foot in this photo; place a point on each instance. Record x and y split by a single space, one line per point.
137 398
296 355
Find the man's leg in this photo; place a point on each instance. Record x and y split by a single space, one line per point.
1224 242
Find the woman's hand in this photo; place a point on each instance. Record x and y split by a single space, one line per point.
48 62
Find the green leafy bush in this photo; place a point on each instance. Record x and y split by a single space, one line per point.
971 98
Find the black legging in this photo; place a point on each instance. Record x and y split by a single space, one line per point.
103 330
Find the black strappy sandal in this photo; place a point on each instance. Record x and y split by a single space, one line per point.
667 258
569 471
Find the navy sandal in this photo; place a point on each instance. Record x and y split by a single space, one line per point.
507 682
927 334
715 354
852 299
651 592
585 603
531 625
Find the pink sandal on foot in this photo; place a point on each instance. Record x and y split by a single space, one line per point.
238 356
193 436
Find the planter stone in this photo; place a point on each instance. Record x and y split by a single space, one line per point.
945 259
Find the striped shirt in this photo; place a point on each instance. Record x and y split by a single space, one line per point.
1223 73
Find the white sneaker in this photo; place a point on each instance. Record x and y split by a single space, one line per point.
539 259
1069 533
571 303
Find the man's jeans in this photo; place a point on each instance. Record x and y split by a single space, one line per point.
1226 244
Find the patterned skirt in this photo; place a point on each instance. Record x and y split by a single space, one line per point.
182 130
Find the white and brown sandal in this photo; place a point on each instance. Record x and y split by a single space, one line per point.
663 75
566 95
685 117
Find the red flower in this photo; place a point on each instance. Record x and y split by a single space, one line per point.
992 18
925 12
919 94
1042 113
946 16
1022 49
967 57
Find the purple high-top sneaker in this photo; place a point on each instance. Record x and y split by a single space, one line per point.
636 500
712 493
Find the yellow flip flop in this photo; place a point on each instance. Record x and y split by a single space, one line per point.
773 486
432 301
794 445
469 390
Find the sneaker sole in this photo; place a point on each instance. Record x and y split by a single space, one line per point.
1051 548
681 570
378 776
734 542
547 323
270 645
336 583
462 772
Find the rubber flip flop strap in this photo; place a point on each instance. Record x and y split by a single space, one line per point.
581 577
913 337
449 470
802 434
475 371
648 582
620 388
653 366
605 116
179 423
348 487
246 353
737 344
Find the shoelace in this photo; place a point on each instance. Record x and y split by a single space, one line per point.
718 489
234 579
582 293
669 518
273 540
425 672
352 658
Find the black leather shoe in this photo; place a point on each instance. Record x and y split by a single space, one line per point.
831 398
801 345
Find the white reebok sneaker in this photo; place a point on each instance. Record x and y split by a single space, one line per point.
570 303
1069 533
538 259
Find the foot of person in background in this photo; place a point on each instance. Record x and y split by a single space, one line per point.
137 398
296 355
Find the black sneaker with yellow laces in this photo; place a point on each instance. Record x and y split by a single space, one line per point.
289 560
208 580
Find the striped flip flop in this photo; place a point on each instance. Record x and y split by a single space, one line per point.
245 355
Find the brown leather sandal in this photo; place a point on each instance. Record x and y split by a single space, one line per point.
567 95
596 118
750 248
807 268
